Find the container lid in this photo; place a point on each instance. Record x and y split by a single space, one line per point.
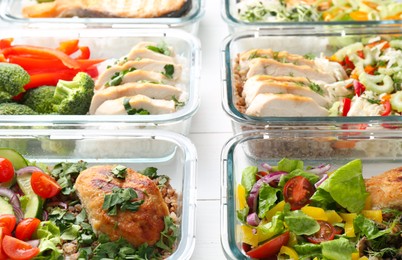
193 10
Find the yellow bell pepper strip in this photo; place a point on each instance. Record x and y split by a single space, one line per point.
375 215
356 256
315 212
241 197
288 251
333 217
249 236
349 228
276 208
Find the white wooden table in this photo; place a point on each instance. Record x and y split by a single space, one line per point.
210 130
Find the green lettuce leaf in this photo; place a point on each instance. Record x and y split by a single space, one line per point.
288 165
248 177
271 229
300 223
313 178
266 199
337 249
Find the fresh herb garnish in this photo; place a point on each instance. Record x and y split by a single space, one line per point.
255 55
169 71
168 235
309 56
316 88
152 173
123 199
133 111
177 102
117 77
120 171
66 173
373 101
161 48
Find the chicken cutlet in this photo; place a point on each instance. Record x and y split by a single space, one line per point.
137 227
108 8
386 189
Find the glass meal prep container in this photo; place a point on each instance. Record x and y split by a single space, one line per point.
171 153
302 42
113 44
379 151
188 20
250 14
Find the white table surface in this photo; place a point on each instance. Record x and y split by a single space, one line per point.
210 129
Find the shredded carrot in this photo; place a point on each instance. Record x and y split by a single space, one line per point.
371 4
349 85
354 75
385 98
393 17
386 45
369 69
359 16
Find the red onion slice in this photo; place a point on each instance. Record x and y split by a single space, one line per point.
253 220
321 169
14 201
266 166
34 243
29 169
318 183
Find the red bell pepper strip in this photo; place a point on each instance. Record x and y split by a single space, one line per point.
69 46
41 52
6 42
387 108
85 52
49 78
2 58
358 87
346 106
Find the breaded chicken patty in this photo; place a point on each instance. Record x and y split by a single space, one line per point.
137 227
386 189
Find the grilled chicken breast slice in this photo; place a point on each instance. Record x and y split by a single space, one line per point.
276 68
153 106
106 8
156 91
257 85
386 189
145 53
268 104
139 227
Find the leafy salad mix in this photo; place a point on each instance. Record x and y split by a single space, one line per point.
293 211
41 216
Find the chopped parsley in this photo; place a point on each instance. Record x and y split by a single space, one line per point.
152 173
123 199
66 173
316 88
177 102
309 56
169 71
119 171
133 111
117 77
255 55
161 48
168 235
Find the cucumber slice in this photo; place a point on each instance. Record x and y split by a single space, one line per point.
9 183
34 204
396 101
5 207
15 157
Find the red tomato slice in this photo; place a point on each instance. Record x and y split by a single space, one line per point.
270 248
297 192
387 108
3 255
326 232
26 228
347 102
17 249
6 170
44 185
8 221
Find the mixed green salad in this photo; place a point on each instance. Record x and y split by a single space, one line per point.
41 216
293 211
318 10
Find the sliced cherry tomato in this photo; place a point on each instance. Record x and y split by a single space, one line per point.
271 247
326 233
3 255
347 102
6 170
360 53
297 192
348 65
8 221
44 185
358 87
26 228
338 230
387 108
17 249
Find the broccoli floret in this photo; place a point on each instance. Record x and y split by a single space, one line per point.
40 99
13 78
16 109
74 97
5 97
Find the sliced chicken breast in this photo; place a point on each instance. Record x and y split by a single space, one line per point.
144 44
153 106
275 68
145 53
268 104
106 8
157 91
143 64
137 227
255 86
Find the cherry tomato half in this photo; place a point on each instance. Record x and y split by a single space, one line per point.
7 221
298 191
271 247
326 233
44 185
6 170
2 253
17 249
26 228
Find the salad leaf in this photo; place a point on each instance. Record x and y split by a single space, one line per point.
248 177
308 250
288 165
300 223
313 178
368 227
268 230
346 186
336 249
49 235
242 214
266 199
322 199
66 173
